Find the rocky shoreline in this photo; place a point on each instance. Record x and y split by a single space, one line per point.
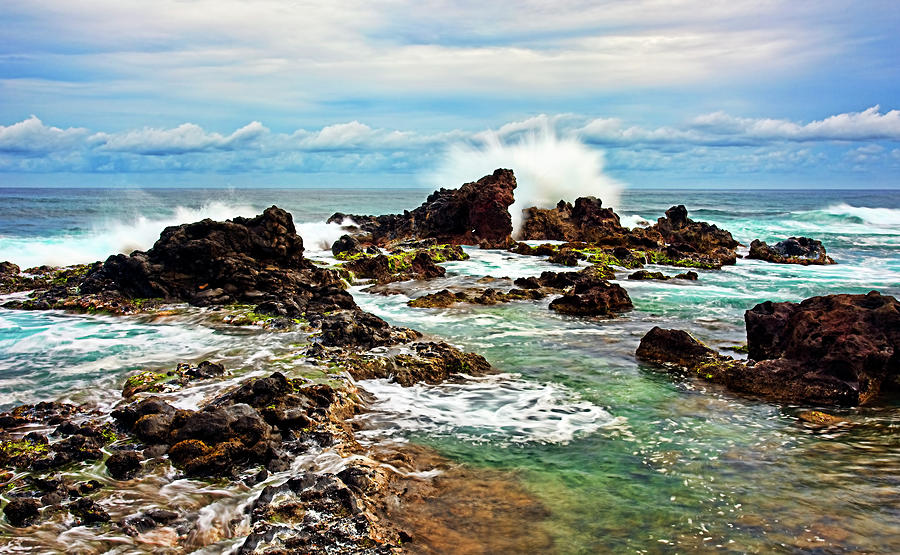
835 350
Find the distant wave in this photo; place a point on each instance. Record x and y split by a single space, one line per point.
109 237
881 217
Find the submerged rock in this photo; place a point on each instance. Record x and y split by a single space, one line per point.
123 465
424 362
794 250
475 214
831 350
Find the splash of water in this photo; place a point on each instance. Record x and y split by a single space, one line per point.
110 237
548 168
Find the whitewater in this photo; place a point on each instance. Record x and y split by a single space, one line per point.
622 456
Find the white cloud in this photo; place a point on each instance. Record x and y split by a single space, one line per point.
31 136
722 129
183 139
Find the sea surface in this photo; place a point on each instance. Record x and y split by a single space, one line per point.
625 458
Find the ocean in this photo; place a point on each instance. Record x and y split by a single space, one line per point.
625 457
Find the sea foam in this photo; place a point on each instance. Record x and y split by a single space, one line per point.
499 408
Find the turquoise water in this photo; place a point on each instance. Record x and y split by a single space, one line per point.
625 457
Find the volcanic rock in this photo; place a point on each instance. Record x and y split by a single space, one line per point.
686 235
830 350
593 297
794 250
249 260
475 214
123 465
586 221
22 511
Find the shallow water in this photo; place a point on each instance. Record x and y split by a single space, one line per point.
624 457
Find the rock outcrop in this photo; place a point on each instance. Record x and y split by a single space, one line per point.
475 214
793 250
593 297
685 235
831 350
245 260
587 221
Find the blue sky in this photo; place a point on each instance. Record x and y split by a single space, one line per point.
672 92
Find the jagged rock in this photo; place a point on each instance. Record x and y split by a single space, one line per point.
692 276
831 350
361 330
644 275
249 260
593 297
794 250
238 429
88 511
22 512
586 221
686 236
849 344
475 214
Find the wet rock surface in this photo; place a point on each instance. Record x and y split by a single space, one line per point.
409 262
830 350
585 221
794 250
593 297
475 214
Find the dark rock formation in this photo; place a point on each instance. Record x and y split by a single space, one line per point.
847 344
832 350
645 275
346 245
418 262
426 362
123 465
586 221
22 511
673 347
794 250
238 429
88 512
249 260
475 214
593 297
686 235
446 298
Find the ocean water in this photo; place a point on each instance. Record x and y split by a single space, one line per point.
625 458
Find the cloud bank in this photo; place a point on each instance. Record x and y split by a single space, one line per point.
708 143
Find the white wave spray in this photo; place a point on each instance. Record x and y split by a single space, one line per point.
110 237
548 168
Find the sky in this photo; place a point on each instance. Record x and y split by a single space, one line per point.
671 93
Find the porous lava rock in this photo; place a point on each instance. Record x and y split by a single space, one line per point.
475 214
687 235
593 297
793 250
244 260
828 350
585 221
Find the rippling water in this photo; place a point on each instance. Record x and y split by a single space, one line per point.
625 457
